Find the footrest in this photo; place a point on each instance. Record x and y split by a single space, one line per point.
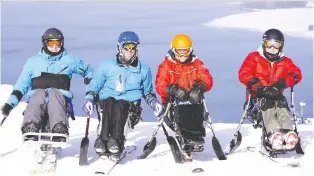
195 148
46 138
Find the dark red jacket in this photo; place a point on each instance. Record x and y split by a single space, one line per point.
256 65
171 71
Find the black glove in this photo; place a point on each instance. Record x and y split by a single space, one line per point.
181 94
268 92
177 92
267 103
197 92
172 89
252 82
6 109
280 85
87 80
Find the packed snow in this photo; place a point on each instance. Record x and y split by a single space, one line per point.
295 22
14 158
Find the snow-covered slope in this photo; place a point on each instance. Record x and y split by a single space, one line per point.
13 157
295 22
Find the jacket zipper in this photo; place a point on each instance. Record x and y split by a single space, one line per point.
120 79
62 70
271 72
189 84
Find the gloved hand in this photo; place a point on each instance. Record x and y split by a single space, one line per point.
172 89
6 109
177 92
280 85
87 80
268 92
252 82
157 107
181 94
88 107
197 92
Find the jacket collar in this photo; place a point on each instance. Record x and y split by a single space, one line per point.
261 53
135 69
47 57
170 58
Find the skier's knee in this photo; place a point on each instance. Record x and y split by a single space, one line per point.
39 92
55 93
37 96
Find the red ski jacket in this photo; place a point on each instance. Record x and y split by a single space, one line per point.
171 71
256 65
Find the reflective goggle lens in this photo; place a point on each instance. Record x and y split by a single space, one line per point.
129 46
54 42
272 43
182 51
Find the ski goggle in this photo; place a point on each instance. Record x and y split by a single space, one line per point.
54 42
272 43
129 46
182 51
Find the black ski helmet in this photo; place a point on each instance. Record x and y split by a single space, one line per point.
49 34
273 34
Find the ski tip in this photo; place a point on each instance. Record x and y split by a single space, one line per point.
141 157
100 173
221 156
197 170
294 164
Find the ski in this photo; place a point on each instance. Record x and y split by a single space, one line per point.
198 170
115 160
46 159
2 121
267 155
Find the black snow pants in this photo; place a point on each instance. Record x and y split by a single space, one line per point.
114 116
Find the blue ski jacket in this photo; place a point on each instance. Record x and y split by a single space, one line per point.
129 83
64 63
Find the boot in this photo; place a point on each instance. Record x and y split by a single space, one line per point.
291 139
187 144
31 127
114 145
196 143
100 146
276 141
60 128
199 139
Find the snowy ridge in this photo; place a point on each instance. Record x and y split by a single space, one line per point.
297 25
161 160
